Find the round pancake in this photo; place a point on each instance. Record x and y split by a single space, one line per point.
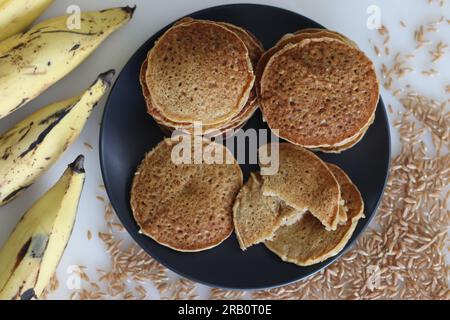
312 33
255 50
199 71
234 124
305 183
186 207
319 92
307 242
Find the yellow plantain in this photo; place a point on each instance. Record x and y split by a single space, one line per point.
36 59
34 144
17 15
32 253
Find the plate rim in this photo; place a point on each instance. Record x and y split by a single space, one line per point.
136 238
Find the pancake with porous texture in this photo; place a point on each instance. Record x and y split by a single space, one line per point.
169 126
254 46
293 38
187 207
254 222
318 92
296 37
307 242
255 51
256 217
199 71
305 183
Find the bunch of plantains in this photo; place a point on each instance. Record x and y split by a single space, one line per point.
30 62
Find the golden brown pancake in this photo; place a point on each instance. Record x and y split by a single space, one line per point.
235 123
312 33
199 71
307 242
186 207
255 50
319 92
305 183
256 217
254 222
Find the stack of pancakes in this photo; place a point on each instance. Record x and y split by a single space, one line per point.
305 213
201 73
318 89
186 206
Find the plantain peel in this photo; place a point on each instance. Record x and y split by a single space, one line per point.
33 145
32 253
33 61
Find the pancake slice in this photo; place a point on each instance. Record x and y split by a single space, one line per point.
186 207
286 214
307 242
254 221
305 183
256 217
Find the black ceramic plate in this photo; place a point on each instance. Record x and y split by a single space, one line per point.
127 133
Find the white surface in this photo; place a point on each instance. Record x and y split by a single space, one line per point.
346 16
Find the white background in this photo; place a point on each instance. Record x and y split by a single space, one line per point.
346 16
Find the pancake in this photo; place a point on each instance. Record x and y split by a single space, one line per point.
255 50
199 71
305 183
319 92
312 33
307 242
256 217
186 207
169 126
254 222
